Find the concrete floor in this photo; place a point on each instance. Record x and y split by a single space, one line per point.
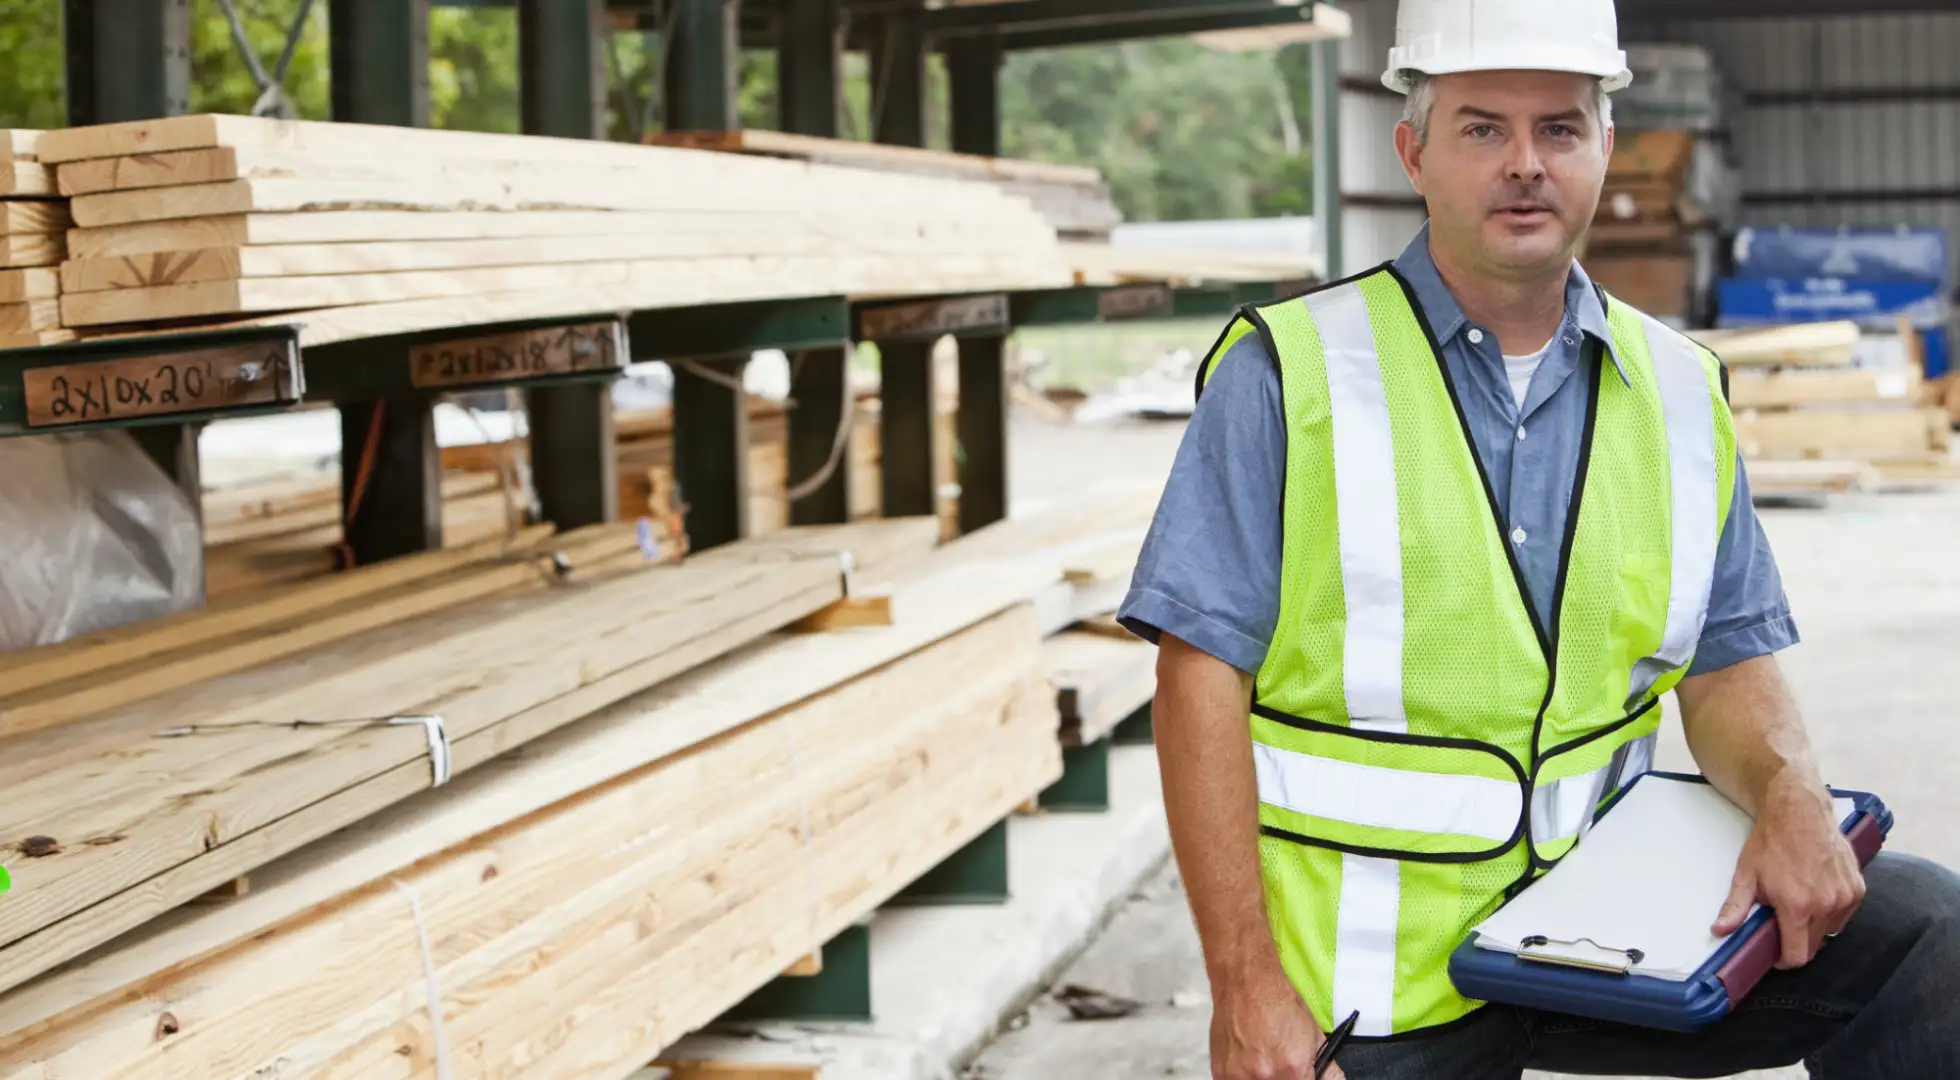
1874 582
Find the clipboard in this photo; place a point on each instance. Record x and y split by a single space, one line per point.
1592 979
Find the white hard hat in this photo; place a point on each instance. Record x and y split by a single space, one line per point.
1437 37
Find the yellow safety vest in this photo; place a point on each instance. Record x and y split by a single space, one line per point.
1422 744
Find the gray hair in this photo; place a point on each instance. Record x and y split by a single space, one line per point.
1422 101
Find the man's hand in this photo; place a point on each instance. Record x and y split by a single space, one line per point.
1264 1032
1798 862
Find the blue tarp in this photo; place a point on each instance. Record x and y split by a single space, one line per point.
1867 254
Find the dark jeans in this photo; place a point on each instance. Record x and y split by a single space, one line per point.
1882 999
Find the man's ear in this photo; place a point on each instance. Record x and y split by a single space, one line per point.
1410 152
1609 142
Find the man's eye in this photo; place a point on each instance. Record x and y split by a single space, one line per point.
1482 131
1561 131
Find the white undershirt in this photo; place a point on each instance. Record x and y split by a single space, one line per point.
1521 368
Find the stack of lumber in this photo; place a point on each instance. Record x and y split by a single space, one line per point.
32 219
285 530
1640 244
1808 418
1073 199
354 231
647 487
161 790
576 905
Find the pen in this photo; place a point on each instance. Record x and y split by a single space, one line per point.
1333 1044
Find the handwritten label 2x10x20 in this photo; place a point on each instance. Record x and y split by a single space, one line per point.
126 388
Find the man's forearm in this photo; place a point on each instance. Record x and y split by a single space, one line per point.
1211 796
1745 731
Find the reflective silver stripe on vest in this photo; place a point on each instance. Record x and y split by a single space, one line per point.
1565 808
1381 798
1365 509
1371 579
1688 407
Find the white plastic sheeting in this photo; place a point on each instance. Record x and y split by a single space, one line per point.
94 535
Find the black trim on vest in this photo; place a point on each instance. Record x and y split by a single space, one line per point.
1403 738
1593 360
1211 354
1592 737
1448 858
1497 515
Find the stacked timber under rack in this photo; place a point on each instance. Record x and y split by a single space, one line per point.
530 807
1809 419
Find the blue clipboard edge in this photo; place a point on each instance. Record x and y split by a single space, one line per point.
1641 1000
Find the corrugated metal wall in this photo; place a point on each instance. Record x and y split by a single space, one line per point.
1787 146
1373 229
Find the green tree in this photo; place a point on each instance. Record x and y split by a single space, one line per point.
31 86
1178 130
473 77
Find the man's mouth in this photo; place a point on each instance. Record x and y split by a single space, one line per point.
1525 212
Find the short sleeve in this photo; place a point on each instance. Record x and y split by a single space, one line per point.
1748 614
1209 571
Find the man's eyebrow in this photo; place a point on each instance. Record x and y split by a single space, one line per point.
1563 117
1480 114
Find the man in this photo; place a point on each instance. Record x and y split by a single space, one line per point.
1464 518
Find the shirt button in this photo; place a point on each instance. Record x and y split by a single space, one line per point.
1476 336
1517 536
1520 434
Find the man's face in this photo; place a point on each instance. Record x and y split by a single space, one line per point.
1512 168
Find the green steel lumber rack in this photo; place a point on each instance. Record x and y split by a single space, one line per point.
130 60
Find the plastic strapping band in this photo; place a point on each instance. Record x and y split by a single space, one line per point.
438 744
437 1035
846 566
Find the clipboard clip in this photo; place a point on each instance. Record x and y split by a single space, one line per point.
1584 953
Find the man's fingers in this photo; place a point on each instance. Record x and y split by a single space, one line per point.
1742 895
1798 942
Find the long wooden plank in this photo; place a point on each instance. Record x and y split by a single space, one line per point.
170 669
26 178
1749 389
568 289
693 190
1099 681
743 234
31 284
1805 344
262 790
877 155
1840 433
536 913
29 315
27 669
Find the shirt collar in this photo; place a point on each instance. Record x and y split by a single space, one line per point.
1583 307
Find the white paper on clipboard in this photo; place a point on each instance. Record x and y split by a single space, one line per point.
1650 876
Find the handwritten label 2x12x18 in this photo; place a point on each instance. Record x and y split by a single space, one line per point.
202 380
525 354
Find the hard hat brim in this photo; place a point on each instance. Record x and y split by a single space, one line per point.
1396 77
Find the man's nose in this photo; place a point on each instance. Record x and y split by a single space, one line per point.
1525 164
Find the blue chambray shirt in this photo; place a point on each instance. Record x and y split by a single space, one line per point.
1209 572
